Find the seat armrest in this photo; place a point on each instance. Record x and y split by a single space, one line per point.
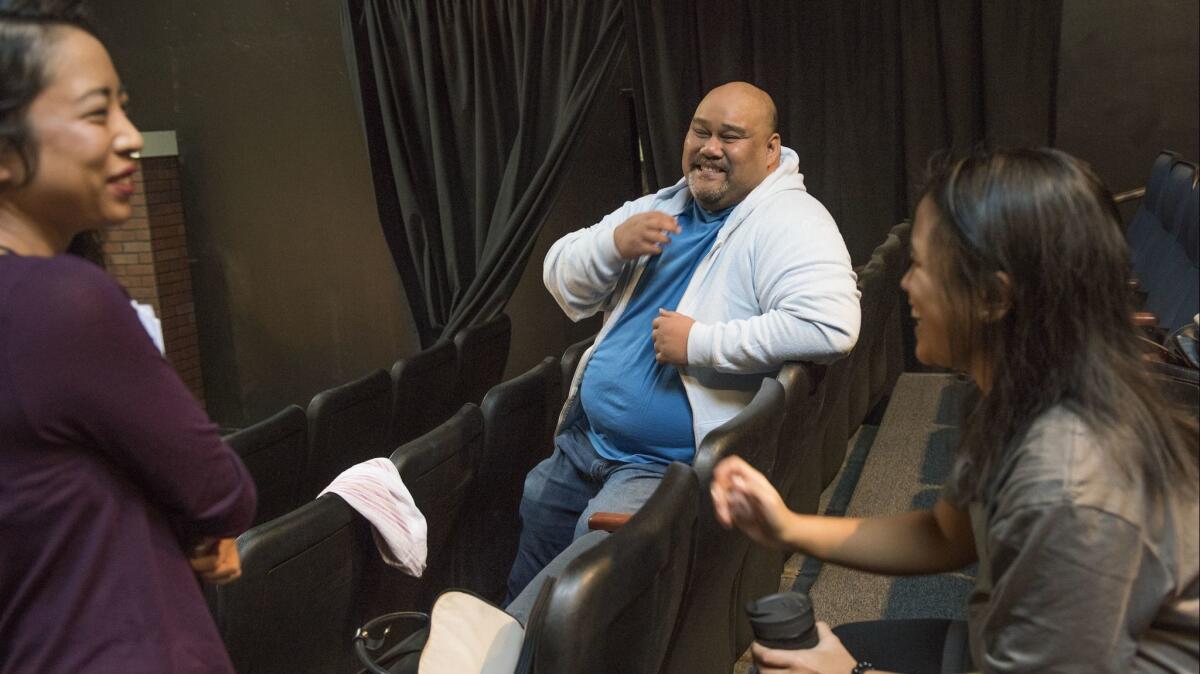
609 522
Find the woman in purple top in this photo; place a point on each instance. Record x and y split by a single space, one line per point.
116 491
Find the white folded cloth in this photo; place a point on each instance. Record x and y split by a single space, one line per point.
150 322
375 490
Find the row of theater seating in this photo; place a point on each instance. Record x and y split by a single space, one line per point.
666 592
1164 236
310 576
293 454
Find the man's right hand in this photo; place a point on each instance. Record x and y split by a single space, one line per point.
644 234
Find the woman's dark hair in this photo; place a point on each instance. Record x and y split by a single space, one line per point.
27 28
1057 329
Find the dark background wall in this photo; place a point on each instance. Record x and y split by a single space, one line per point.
1129 84
295 288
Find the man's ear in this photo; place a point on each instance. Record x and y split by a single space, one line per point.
996 307
773 150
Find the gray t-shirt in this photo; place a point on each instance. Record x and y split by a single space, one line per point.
1080 569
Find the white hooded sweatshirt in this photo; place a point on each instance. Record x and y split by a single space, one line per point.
776 285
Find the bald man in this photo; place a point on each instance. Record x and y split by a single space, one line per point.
707 286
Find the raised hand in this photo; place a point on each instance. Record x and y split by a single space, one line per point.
743 497
644 234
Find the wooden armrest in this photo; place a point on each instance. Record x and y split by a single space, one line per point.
1145 319
609 522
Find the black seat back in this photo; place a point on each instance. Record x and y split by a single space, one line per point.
347 424
797 470
437 469
424 392
519 417
570 362
706 638
887 362
275 451
291 609
614 607
796 474
876 302
834 420
482 356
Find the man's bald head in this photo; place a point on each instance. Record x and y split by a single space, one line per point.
756 101
731 145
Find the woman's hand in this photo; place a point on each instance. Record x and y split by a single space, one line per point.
829 656
216 561
743 497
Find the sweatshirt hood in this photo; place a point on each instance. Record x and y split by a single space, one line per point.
677 198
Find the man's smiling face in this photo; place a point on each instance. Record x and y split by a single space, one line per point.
731 145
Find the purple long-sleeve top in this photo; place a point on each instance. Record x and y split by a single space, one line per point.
108 469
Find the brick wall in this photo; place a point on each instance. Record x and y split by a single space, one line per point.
148 255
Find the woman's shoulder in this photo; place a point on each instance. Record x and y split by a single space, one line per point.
1062 460
59 280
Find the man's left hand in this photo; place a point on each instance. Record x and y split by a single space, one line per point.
670 332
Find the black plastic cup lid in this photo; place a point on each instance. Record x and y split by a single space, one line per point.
781 618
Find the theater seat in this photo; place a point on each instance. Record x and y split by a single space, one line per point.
876 302
347 424
291 609
274 451
797 470
1147 220
437 468
887 363
519 417
796 474
424 392
614 607
570 362
482 356
1173 294
706 638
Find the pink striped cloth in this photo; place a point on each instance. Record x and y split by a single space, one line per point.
375 490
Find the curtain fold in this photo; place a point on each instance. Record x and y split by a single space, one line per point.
470 110
867 90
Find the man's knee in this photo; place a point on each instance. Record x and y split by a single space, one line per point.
626 494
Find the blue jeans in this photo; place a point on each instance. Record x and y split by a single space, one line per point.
563 491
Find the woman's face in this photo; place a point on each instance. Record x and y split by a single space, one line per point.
926 292
84 170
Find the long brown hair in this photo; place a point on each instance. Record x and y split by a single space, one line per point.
1061 332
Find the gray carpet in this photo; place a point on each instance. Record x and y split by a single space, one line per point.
901 466
897 466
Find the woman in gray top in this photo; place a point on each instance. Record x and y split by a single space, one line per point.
1075 487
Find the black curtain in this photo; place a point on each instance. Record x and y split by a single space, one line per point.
470 111
867 90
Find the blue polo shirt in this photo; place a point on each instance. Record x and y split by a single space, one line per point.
636 409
